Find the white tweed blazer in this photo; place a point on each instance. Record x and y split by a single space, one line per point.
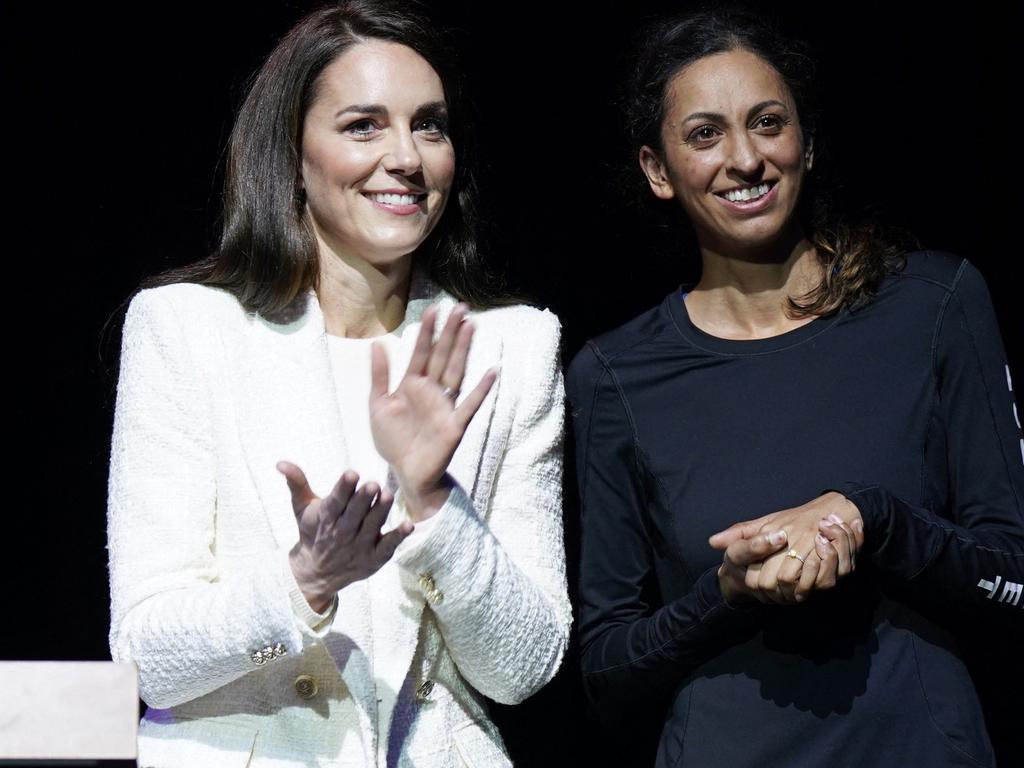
236 668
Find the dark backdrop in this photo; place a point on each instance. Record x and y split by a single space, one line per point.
116 140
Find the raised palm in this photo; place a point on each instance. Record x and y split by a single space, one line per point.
417 428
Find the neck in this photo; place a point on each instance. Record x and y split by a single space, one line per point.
748 297
359 299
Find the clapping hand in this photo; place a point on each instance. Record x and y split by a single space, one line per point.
340 540
417 428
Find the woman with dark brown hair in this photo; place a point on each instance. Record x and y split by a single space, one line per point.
801 473
324 550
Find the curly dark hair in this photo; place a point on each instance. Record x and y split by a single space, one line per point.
855 258
267 255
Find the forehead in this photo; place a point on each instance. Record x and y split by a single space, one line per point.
379 72
725 83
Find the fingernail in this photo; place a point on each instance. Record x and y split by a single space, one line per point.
835 519
777 537
826 523
858 526
799 598
821 540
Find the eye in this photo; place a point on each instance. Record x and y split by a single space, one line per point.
769 124
362 128
703 135
434 127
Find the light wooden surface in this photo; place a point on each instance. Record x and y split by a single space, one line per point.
68 709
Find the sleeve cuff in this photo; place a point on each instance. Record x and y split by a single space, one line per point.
446 552
421 531
708 592
319 623
870 501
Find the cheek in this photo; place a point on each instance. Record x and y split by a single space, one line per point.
442 168
790 156
694 175
324 164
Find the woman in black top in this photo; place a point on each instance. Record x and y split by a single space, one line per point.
858 397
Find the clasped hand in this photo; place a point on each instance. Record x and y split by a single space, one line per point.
783 556
416 429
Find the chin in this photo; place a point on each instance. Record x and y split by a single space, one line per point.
764 237
392 249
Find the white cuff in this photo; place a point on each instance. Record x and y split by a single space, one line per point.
319 623
422 530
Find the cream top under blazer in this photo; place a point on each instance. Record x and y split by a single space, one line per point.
236 668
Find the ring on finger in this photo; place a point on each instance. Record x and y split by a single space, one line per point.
450 393
795 555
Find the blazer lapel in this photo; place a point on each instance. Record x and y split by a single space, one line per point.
287 409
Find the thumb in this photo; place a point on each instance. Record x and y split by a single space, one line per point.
735 532
743 552
769 543
302 494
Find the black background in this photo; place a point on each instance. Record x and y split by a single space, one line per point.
115 144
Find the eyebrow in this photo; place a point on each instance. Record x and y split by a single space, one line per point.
380 109
362 109
717 117
431 108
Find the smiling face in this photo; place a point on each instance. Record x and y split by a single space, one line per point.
732 152
377 164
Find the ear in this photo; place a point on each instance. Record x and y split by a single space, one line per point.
809 151
657 176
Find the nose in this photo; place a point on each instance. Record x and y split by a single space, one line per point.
744 156
402 156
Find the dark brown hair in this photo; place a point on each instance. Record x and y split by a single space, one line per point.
267 255
855 259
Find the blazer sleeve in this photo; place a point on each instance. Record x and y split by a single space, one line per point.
963 553
190 628
495 577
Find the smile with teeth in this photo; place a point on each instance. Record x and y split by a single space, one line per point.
747 193
390 198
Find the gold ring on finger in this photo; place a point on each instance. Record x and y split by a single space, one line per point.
795 555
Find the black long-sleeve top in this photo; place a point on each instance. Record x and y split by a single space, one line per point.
906 406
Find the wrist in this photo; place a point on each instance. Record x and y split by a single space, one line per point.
315 591
423 501
728 589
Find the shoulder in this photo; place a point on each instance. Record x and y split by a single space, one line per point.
939 269
531 354
181 319
528 336
935 279
200 304
519 323
631 339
